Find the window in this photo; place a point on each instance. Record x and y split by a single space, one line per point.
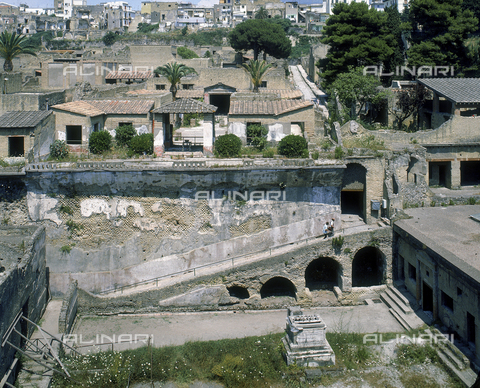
16 146
459 291
264 84
412 272
447 301
96 127
74 134
187 86
159 87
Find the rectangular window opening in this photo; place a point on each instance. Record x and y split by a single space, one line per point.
412 272
16 146
447 301
74 134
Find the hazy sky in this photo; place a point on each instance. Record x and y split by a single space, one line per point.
136 4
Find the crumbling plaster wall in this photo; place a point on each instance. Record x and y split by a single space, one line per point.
127 217
23 282
211 293
405 182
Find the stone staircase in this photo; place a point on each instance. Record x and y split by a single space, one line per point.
400 308
352 223
454 359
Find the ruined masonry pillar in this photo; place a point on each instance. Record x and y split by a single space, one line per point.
208 134
455 173
158 134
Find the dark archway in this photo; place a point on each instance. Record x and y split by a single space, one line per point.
322 274
470 173
368 268
278 286
353 190
238 292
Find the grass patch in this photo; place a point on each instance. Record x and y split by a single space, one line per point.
237 363
412 354
369 142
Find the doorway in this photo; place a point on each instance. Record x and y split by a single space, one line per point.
471 328
427 298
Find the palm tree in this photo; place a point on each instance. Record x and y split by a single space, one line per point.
174 73
256 70
11 46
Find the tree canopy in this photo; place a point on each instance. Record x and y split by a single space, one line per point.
11 46
472 5
357 36
355 90
260 35
405 103
439 30
174 73
256 70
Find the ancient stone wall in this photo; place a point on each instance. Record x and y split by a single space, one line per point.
29 101
23 283
456 130
212 292
106 220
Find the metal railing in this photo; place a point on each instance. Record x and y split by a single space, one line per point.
195 269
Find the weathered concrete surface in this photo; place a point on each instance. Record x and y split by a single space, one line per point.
23 284
119 219
437 249
292 265
103 273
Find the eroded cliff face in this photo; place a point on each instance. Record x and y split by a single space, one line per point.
108 220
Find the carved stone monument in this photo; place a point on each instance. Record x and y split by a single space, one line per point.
305 341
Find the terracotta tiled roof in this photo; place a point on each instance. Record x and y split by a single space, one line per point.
189 93
98 107
145 91
186 105
458 90
274 108
129 75
23 119
285 94
124 106
80 107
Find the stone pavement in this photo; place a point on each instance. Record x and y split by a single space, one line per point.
178 328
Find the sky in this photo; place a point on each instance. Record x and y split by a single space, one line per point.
135 4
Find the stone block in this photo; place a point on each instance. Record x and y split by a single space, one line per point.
305 341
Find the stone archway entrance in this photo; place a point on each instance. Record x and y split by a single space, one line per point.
368 268
323 273
353 196
278 286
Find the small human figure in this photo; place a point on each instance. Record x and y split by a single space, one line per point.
332 226
325 230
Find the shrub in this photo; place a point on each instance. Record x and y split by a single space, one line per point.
188 116
268 153
315 155
339 152
186 53
471 201
257 136
99 142
58 149
142 144
292 146
124 134
109 38
228 145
